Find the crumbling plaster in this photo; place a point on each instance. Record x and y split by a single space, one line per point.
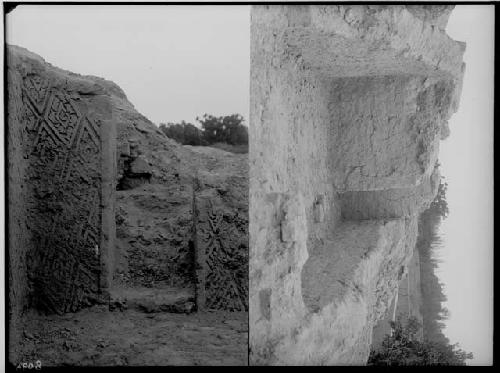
348 105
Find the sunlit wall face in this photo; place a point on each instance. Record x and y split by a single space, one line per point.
173 62
467 165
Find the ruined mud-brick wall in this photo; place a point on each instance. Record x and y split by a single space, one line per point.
61 173
153 177
163 221
156 223
348 105
154 212
221 245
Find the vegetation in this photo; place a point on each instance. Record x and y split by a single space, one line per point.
225 132
439 205
402 348
184 133
433 312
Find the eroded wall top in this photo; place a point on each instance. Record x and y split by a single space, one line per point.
353 40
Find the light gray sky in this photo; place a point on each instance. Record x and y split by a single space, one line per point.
173 62
467 164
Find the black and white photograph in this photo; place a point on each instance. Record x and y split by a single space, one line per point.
247 184
371 185
128 185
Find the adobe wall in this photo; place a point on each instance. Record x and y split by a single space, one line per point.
61 162
221 249
348 105
76 144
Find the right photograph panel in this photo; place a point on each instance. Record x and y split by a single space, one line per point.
348 192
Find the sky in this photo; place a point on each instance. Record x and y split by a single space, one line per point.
173 62
466 159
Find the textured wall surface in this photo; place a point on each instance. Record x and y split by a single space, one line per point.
61 155
164 222
348 104
221 244
155 210
64 164
406 304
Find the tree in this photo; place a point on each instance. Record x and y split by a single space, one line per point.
214 131
403 348
227 129
439 203
428 241
184 133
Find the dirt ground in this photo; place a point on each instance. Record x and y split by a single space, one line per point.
97 337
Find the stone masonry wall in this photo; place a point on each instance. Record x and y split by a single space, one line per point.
348 104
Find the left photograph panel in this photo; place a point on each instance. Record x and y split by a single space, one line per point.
127 185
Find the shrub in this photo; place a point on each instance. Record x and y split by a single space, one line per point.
227 129
402 348
184 133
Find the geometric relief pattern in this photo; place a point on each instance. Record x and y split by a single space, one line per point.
62 117
30 116
223 238
65 177
37 91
